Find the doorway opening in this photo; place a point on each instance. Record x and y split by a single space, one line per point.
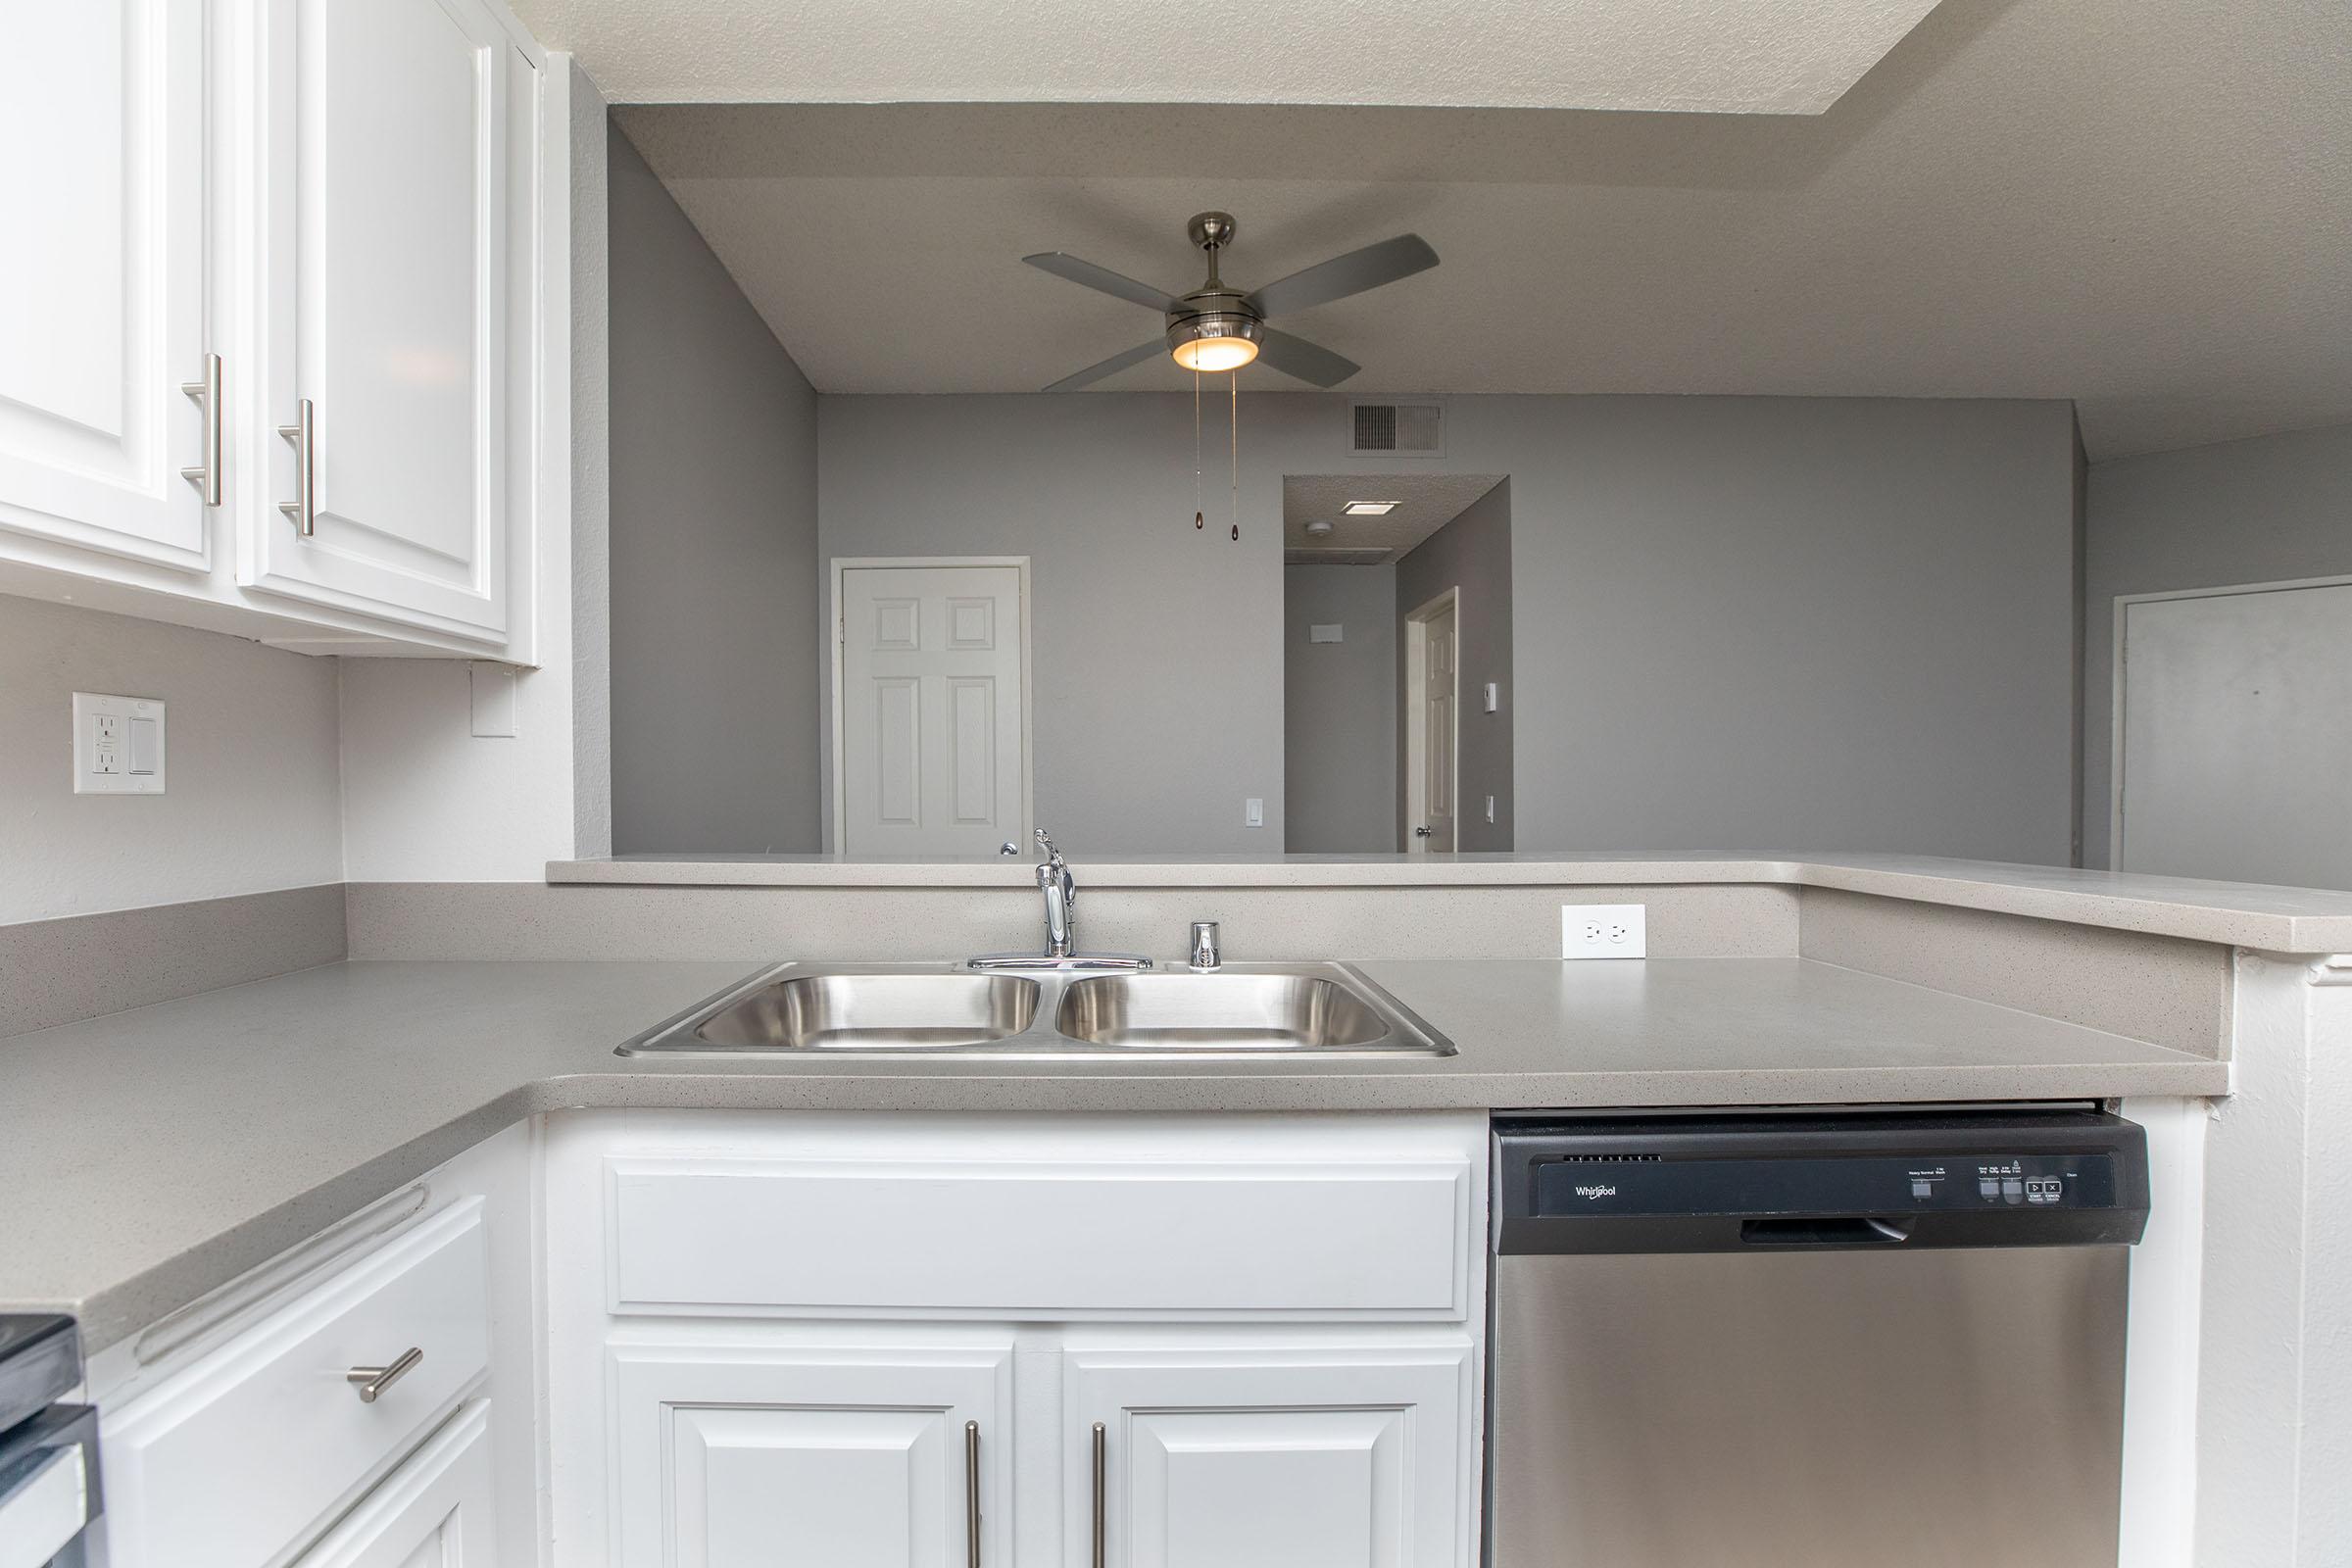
1433 708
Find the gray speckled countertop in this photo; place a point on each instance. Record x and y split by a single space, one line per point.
154 1154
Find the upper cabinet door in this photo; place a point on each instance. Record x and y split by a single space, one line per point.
102 275
1271 1457
398 206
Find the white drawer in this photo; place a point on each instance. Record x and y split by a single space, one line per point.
229 1462
999 1238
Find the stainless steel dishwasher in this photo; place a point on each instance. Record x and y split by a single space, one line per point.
1811 1340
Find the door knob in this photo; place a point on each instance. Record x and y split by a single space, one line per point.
1421 832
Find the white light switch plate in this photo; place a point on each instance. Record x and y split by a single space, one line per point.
117 745
1604 931
1253 813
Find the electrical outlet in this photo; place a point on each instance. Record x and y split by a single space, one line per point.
117 745
1604 931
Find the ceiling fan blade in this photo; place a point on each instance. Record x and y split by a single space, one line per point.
1308 362
1110 367
1343 275
1061 263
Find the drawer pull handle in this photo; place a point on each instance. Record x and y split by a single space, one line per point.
206 475
1101 1484
971 1492
372 1381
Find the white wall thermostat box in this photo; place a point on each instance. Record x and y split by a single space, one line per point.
117 745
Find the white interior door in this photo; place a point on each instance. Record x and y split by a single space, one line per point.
933 755
397 194
1434 700
1293 1457
102 275
2235 742
825 1457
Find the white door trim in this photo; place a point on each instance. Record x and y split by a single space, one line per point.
834 587
1416 728
2118 668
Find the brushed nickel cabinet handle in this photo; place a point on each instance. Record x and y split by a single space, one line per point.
1101 1467
303 435
206 476
971 1494
372 1381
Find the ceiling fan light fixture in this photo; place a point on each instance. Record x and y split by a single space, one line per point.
1214 342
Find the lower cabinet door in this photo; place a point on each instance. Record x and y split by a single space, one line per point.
433 1512
1265 1457
828 1455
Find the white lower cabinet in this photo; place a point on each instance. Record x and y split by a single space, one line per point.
749 1455
436 1511
796 1340
1277 1456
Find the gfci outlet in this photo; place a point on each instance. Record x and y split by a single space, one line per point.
1604 930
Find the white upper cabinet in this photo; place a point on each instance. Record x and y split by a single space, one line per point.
102 278
333 211
395 305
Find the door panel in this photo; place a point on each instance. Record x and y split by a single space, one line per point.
1437 740
808 1456
1296 1457
932 746
102 275
2235 737
400 218
436 1511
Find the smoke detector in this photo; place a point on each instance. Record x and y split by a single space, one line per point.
1320 528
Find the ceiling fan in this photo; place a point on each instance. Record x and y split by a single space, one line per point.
1219 327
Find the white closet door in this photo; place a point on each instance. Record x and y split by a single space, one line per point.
2235 760
102 275
397 195
933 755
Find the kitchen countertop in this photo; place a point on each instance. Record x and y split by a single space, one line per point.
2241 914
156 1154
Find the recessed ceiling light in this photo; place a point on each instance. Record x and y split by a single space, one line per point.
1370 509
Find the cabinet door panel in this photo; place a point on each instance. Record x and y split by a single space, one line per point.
400 204
1275 1458
816 1456
433 1512
102 275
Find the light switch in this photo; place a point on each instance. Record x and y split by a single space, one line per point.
118 745
1493 697
1253 813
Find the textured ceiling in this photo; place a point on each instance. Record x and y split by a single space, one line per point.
1425 503
2136 204
1791 57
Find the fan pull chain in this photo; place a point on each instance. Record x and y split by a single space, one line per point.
1199 517
1233 380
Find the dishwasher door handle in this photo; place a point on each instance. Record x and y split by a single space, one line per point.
1853 1230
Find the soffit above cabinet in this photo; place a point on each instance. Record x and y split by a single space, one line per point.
1771 57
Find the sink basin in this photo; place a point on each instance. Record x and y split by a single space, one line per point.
1221 1011
870 1012
905 1009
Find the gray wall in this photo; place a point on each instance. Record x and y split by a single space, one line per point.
1472 553
714 639
1339 708
2270 510
252 772
1761 623
1156 647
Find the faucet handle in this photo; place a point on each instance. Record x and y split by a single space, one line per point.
1046 842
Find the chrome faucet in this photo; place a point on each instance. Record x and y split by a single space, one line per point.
1061 891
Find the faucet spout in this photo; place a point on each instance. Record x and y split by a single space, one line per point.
1062 933
1060 892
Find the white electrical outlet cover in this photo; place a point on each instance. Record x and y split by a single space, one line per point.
119 746
1604 931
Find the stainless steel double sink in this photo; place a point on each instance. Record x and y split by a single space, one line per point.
1321 1010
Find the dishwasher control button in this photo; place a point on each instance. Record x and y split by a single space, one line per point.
1921 1190
1989 1189
2013 1190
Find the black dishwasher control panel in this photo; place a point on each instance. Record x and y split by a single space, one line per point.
1695 1183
